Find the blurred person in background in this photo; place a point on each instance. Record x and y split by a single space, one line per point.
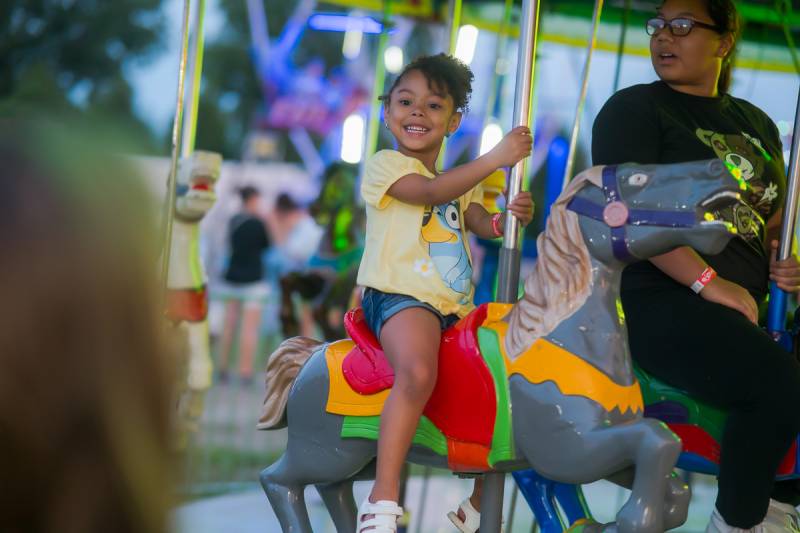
330 276
297 237
85 373
246 289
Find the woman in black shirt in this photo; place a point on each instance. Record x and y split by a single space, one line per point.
705 339
246 289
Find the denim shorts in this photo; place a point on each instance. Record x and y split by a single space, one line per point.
251 295
381 306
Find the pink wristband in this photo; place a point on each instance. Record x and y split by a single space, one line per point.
704 279
496 227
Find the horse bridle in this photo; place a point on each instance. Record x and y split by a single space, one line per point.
616 214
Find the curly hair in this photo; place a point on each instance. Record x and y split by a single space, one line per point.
445 74
726 17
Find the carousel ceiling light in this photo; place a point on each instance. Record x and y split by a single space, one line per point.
333 22
393 58
353 138
466 42
351 47
492 134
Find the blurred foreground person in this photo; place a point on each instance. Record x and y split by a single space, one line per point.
84 385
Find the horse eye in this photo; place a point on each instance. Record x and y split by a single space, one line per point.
638 180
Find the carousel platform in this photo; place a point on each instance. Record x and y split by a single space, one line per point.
248 511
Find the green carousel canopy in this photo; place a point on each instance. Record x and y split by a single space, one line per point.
770 27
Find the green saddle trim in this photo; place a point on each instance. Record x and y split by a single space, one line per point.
709 418
502 438
367 427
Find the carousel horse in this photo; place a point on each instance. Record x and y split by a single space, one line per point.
559 356
699 427
187 301
332 270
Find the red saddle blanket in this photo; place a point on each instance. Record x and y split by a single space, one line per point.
463 404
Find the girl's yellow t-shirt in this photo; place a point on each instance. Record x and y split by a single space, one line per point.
421 251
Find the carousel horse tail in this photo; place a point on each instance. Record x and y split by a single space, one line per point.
282 369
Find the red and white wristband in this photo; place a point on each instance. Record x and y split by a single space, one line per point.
704 279
496 226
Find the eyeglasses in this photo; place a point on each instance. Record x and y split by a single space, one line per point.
678 27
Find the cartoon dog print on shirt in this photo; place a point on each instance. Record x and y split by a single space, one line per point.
745 154
441 229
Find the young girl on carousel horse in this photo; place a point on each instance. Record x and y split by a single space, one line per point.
416 267
692 319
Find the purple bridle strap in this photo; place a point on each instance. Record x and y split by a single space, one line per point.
616 207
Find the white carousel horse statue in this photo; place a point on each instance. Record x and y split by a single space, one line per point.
187 300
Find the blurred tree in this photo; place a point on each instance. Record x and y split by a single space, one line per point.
69 56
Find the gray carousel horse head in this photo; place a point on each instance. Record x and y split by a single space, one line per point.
567 334
647 210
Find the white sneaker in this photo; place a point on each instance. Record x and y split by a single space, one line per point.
782 517
384 516
717 524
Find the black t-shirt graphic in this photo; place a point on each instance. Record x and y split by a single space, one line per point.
656 124
248 240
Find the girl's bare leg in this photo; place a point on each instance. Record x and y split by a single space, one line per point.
410 340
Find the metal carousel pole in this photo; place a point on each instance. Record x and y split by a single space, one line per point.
193 90
573 141
177 128
454 15
373 124
509 253
499 59
508 270
454 9
621 46
778 301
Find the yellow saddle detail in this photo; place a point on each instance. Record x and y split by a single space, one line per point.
342 399
544 361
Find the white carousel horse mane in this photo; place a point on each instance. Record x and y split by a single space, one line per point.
282 369
562 278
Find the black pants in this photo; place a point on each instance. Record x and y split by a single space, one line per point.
719 357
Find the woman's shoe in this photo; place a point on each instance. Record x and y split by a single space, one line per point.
717 524
782 517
